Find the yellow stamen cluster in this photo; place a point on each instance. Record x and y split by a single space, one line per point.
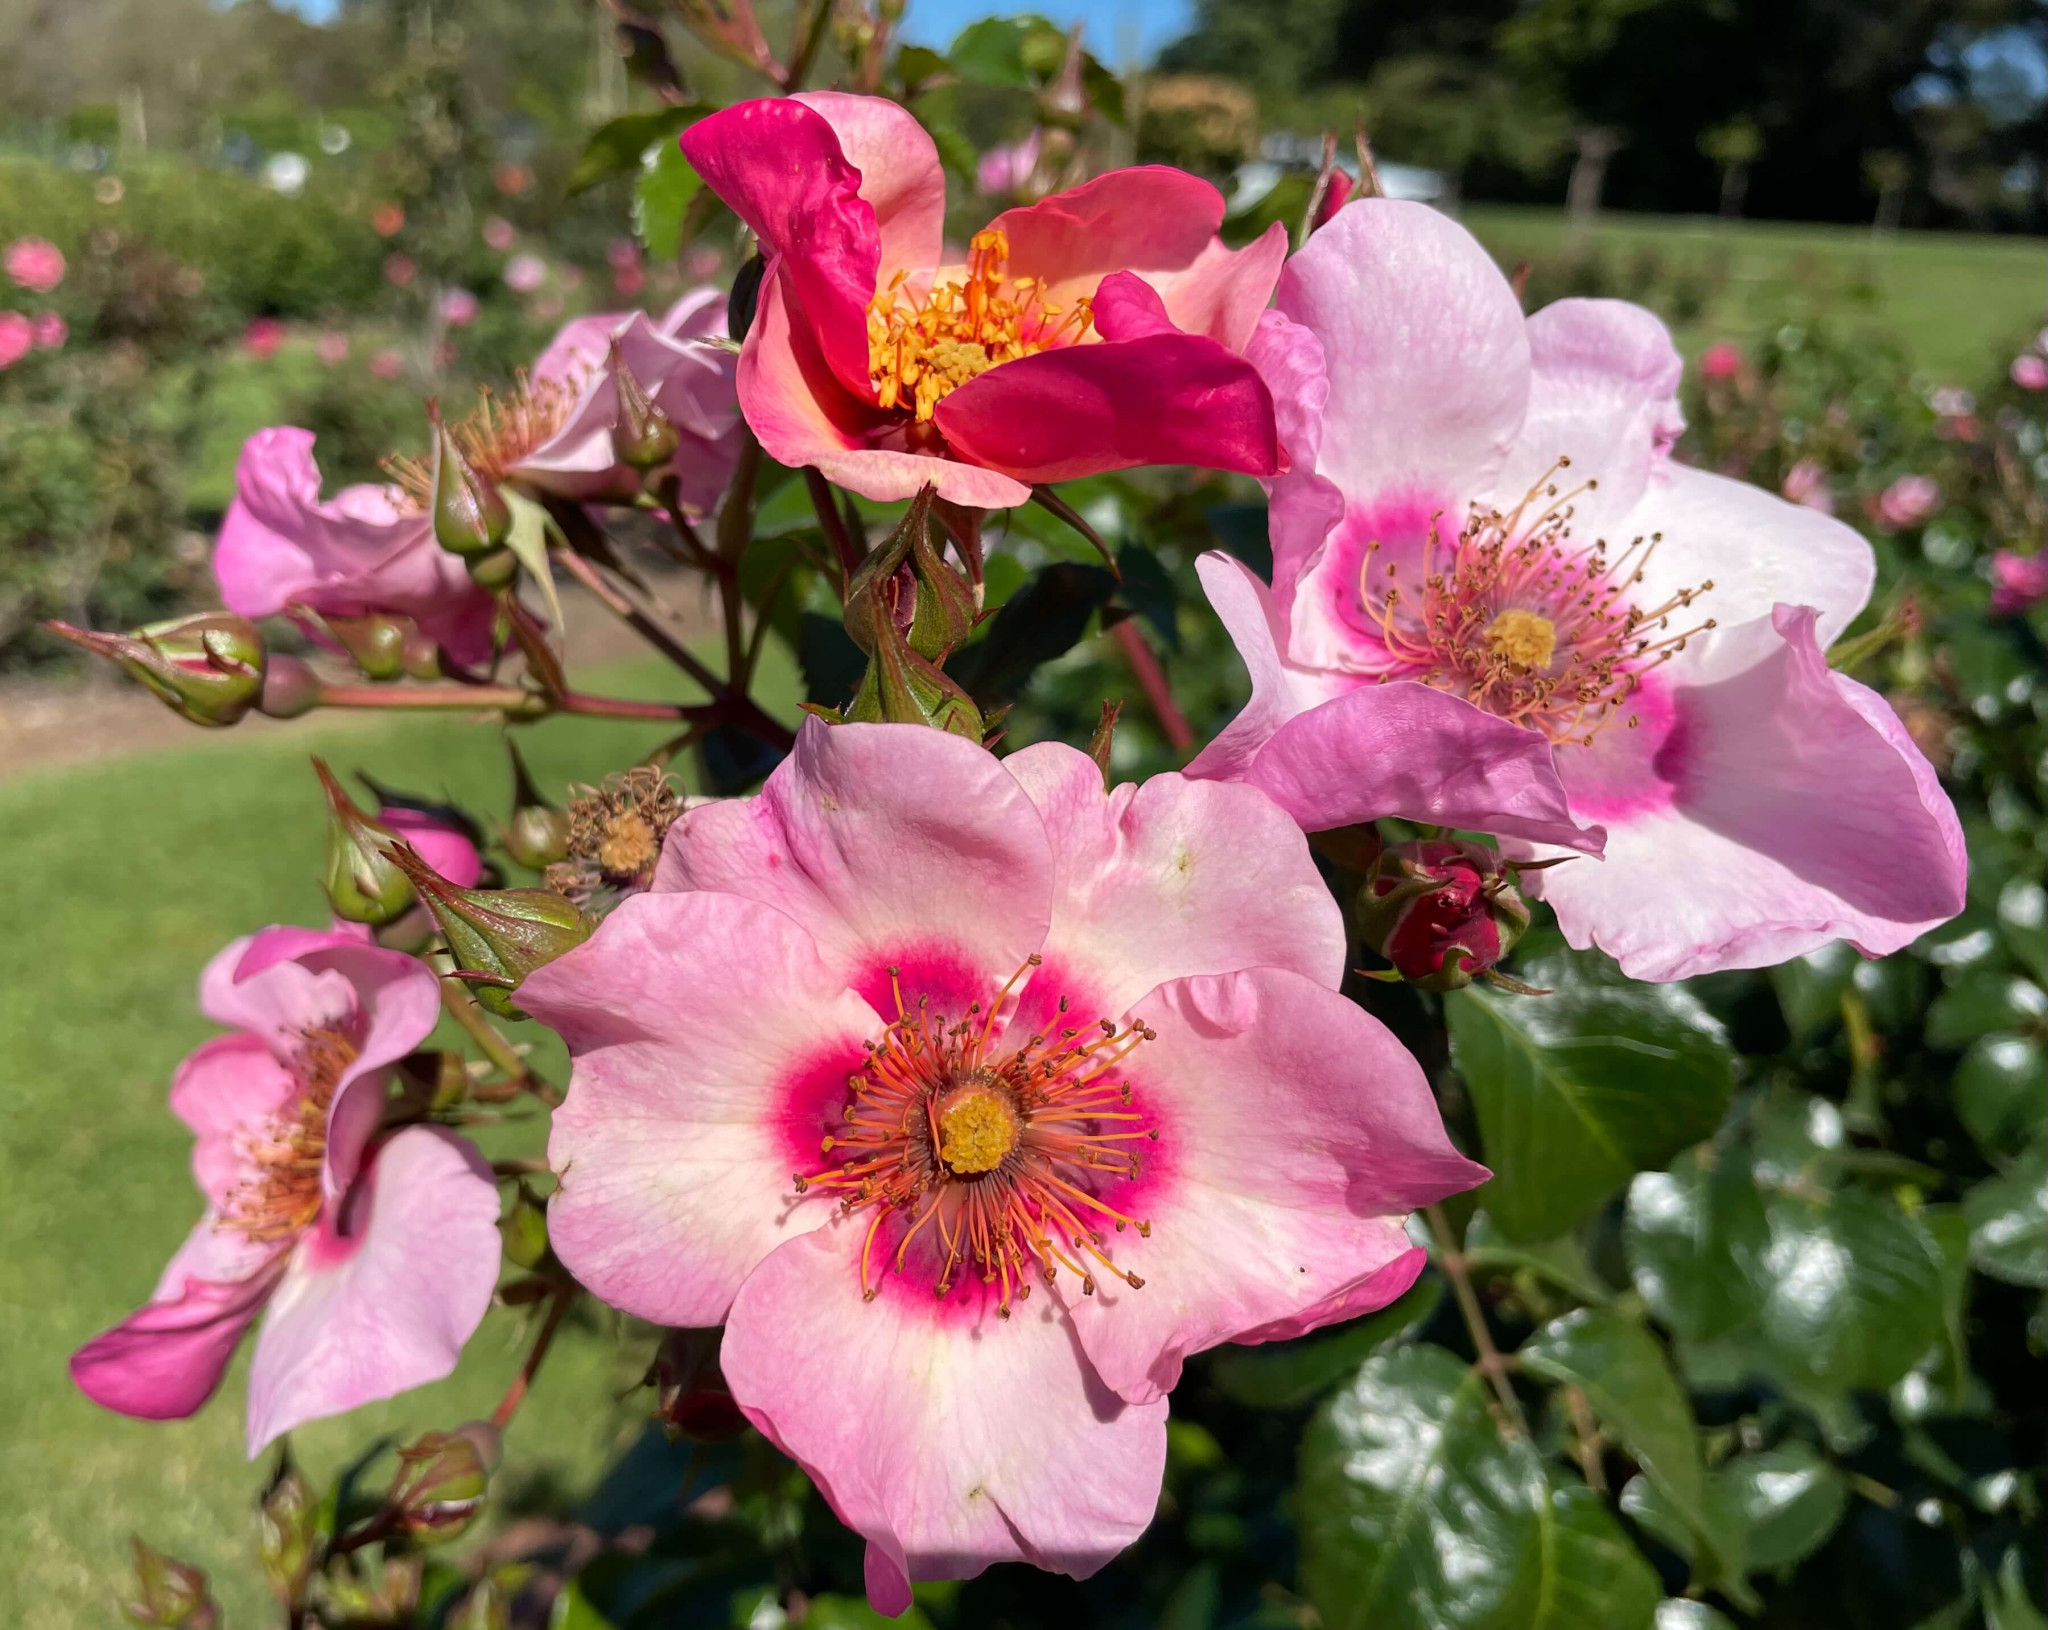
919 354
282 1195
495 435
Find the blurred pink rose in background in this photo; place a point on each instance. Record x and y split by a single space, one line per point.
1908 501
17 338
458 308
498 233
2030 372
1004 170
262 337
51 331
1952 402
387 364
332 347
622 252
628 280
2017 582
1722 361
387 220
399 270
703 262
1807 483
525 273
35 263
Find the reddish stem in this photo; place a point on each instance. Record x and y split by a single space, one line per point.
515 1394
1152 681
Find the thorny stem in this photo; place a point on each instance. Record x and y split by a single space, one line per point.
814 36
465 1011
1173 724
642 624
515 1394
1452 1261
510 699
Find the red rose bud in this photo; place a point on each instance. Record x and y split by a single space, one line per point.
363 883
206 668
691 1398
167 1594
496 936
1442 913
441 1481
642 436
470 514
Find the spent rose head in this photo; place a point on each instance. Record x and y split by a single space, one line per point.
1500 605
971 1117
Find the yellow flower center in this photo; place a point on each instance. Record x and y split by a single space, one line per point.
1523 638
977 1129
918 355
281 1197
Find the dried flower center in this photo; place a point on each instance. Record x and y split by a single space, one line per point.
497 434
629 845
992 1161
919 354
281 1196
1525 623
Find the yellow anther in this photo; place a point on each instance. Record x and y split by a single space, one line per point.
1523 638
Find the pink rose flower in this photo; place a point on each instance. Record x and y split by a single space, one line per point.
332 347
1722 361
1807 483
400 270
35 264
443 843
1006 169
1102 328
1908 501
1622 654
459 308
17 338
50 330
367 549
2018 582
622 252
702 262
262 337
498 233
387 364
1072 1095
525 273
286 1111
2030 372
628 281
572 395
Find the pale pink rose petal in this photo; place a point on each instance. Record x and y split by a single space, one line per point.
1799 812
1395 749
846 839
1167 878
386 1305
1603 394
676 1182
1376 1290
945 1437
224 1087
900 176
1295 1135
1756 549
1290 359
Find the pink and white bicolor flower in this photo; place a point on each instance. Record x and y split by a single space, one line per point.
1499 605
375 1257
972 1100
1101 328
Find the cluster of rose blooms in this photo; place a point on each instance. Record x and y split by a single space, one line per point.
970 1096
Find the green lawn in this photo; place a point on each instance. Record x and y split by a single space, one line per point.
124 878
1957 301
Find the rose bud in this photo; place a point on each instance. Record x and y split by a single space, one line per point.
496 936
642 435
439 1489
290 687
288 1532
363 883
525 1229
375 644
537 836
691 1398
168 1594
470 514
207 668
1443 913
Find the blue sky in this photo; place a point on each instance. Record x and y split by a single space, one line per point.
1114 26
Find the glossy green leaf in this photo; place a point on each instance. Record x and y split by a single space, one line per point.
1287 1374
668 182
1561 1261
1981 1001
1628 1381
1042 620
2007 1605
1726 1565
2008 1217
1792 1498
1682 1234
2001 1092
1677 1613
1414 1511
620 145
1810 988
1593 1576
991 52
528 541
1578 1091
573 1611
918 65
2023 915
